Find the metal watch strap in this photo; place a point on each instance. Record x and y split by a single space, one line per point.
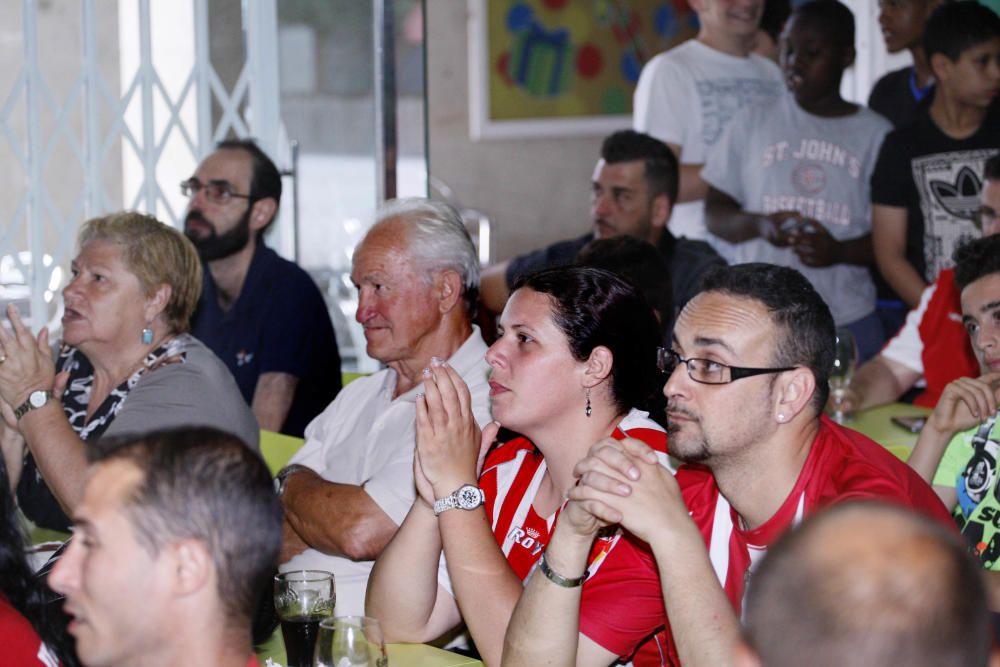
558 579
454 499
282 477
29 403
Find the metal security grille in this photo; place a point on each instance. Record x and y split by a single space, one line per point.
123 117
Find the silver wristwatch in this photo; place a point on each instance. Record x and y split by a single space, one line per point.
36 399
465 497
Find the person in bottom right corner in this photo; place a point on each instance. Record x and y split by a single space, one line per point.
958 446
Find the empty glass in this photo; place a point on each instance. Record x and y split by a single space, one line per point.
350 641
845 361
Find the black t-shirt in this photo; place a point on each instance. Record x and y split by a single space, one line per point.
279 323
893 97
937 179
687 260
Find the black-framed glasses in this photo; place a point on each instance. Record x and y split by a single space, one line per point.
707 371
217 192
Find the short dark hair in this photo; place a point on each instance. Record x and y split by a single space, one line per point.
956 26
834 18
991 170
638 262
265 179
808 333
868 583
976 259
662 171
595 307
207 485
772 21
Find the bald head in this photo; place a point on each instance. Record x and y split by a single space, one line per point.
868 584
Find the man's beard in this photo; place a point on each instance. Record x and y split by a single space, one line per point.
699 453
219 246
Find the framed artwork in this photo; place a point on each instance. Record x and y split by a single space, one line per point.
564 67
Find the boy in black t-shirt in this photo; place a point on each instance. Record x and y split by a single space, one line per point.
926 184
898 95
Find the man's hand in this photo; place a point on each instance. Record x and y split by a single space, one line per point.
964 403
291 543
775 228
623 482
814 245
448 440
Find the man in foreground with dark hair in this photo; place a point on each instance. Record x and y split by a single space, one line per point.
261 314
866 584
177 533
747 380
633 192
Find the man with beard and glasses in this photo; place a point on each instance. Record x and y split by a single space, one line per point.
263 315
747 380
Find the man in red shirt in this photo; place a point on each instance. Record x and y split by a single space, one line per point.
176 536
748 378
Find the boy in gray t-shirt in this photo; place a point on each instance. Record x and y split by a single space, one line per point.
789 180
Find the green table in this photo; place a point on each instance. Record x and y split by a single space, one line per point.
400 655
877 424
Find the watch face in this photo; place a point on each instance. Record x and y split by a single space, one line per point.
38 399
469 497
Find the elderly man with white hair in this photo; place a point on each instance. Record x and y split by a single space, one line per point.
347 490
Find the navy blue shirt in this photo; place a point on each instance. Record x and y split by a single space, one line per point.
279 324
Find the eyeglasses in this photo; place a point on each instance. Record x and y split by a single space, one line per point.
707 371
217 192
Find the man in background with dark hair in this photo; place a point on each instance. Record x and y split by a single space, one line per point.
177 533
866 584
747 378
633 192
261 314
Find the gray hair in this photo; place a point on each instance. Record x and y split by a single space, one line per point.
437 240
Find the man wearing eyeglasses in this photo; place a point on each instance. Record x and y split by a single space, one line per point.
747 378
261 314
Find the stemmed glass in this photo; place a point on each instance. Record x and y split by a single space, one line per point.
302 599
350 641
845 361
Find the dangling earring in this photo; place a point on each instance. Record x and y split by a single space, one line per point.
588 410
147 336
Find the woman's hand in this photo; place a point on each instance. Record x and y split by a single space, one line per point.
448 439
27 362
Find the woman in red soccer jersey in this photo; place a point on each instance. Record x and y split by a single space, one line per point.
575 362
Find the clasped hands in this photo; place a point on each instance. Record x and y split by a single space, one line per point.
808 238
622 482
450 447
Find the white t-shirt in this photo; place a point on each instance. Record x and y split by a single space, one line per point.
777 157
366 438
687 96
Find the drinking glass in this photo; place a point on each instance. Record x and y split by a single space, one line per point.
350 641
302 599
845 361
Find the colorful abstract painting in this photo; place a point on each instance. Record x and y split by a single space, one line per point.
569 59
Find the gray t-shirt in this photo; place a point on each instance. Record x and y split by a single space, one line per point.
777 157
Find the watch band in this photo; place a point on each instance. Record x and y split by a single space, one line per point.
281 479
35 400
558 579
466 497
